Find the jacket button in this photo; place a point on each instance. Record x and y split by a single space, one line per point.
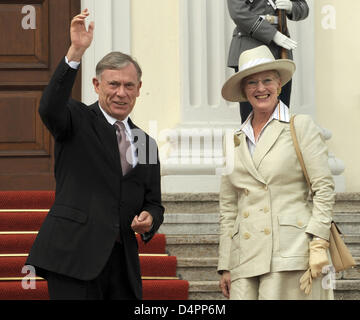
245 214
266 209
300 224
265 187
246 191
267 231
246 235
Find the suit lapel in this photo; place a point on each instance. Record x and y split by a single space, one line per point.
243 155
266 141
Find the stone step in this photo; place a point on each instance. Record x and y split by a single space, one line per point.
208 245
209 202
208 223
209 290
347 290
348 227
205 290
190 202
352 273
192 246
205 269
197 269
190 223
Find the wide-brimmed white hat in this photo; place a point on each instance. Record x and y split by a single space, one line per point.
253 61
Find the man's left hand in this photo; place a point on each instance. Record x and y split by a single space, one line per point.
142 223
284 5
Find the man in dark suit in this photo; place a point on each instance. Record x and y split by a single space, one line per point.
86 247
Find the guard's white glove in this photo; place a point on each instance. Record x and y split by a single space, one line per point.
284 41
284 5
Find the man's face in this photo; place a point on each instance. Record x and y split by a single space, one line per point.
118 90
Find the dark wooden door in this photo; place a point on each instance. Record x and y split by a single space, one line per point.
34 36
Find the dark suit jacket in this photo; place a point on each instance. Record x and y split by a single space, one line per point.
94 202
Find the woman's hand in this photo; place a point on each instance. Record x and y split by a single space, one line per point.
225 283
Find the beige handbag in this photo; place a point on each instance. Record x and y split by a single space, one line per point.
340 254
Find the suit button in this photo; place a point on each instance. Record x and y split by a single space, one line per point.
300 224
245 214
246 191
266 187
246 235
267 231
266 209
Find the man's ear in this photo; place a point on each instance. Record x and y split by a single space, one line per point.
96 83
138 89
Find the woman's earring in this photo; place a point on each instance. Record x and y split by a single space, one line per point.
279 91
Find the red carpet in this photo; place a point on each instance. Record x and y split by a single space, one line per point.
21 215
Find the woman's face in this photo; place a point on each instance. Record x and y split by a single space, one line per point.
262 90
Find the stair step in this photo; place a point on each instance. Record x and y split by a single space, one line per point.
151 266
205 290
152 289
200 269
190 223
16 242
13 290
21 219
21 242
208 223
347 290
192 246
205 268
190 202
207 245
209 290
347 202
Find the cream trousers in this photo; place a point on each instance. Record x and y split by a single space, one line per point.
283 285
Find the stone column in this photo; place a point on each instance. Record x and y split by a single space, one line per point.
112 33
196 144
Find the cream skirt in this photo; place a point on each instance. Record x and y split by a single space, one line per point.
284 285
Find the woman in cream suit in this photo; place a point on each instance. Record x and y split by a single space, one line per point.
273 245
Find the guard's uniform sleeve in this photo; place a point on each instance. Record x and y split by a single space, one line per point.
300 10
248 20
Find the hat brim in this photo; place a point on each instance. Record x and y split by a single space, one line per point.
232 91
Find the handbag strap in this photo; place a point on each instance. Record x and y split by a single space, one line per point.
298 151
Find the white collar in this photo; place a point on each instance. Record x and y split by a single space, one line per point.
280 113
112 120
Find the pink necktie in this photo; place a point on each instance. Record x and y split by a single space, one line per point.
124 147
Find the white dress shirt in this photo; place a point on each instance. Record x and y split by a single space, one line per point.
128 133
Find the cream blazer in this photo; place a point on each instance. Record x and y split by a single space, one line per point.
265 218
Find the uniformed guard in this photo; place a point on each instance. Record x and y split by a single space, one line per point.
257 23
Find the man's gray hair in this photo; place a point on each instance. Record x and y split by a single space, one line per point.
116 60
